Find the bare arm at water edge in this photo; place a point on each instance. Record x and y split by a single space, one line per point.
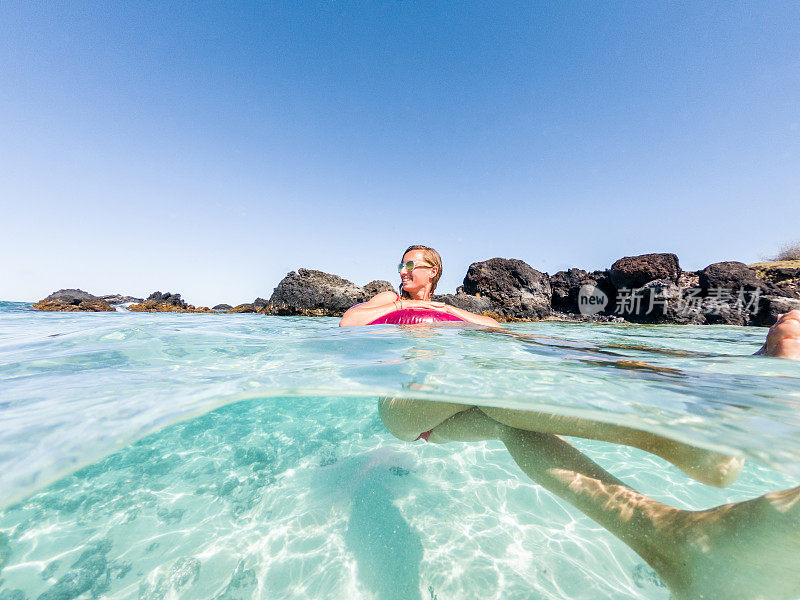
469 317
386 302
783 338
364 314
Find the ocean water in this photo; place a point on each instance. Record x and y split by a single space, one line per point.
242 456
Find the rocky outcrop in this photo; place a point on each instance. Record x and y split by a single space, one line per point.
167 302
730 275
566 286
730 293
783 276
247 307
771 307
314 293
259 305
72 300
516 290
650 288
571 317
635 271
474 304
117 299
373 288
723 293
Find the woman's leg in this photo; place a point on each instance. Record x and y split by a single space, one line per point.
706 466
746 550
407 419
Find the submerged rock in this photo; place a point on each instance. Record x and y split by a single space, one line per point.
167 302
72 300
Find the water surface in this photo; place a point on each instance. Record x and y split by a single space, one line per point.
239 456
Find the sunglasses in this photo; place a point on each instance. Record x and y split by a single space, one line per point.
410 266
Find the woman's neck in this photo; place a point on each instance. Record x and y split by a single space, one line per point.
423 294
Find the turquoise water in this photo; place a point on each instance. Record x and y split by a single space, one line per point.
240 456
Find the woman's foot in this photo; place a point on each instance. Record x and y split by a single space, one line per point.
741 551
706 466
783 339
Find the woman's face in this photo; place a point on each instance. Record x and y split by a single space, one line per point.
421 276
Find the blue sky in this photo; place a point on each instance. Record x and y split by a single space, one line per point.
210 148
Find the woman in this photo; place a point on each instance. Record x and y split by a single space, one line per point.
420 271
742 550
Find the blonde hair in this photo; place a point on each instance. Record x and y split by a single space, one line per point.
431 256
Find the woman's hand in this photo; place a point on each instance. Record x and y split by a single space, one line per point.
464 315
429 304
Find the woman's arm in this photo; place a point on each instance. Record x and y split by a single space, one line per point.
462 314
364 314
465 315
386 302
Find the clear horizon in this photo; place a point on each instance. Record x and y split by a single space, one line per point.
208 150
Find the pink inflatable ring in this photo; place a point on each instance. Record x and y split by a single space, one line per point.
414 316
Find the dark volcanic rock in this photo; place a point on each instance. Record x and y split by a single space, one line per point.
663 301
771 307
565 286
115 299
373 288
244 308
783 276
580 318
70 296
689 279
166 302
730 275
635 271
474 304
167 298
732 293
222 307
73 300
260 303
314 293
515 289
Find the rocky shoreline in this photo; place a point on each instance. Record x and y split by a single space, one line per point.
649 288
